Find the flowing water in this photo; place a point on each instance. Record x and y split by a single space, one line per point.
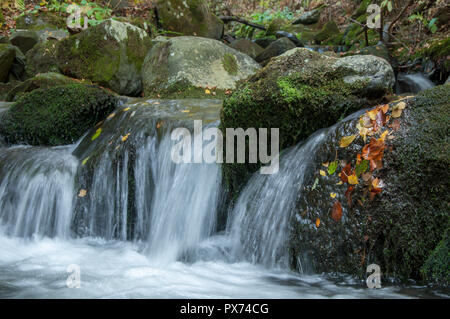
412 83
140 226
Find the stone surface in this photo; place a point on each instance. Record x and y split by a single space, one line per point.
7 54
309 17
55 116
300 92
247 47
274 49
189 17
110 54
42 58
401 226
180 63
25 40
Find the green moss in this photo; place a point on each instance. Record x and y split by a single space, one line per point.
437 269
229 63
298 104
182 90
56 116
329 30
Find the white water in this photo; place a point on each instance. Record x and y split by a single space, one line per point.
412 83
175 252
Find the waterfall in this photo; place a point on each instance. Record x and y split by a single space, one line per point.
412 83
37 190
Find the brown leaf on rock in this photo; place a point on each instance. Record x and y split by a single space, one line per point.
346 172
336 212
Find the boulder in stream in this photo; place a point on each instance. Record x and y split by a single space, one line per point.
186 66
7 54
381 201
300 92
109 54
55 116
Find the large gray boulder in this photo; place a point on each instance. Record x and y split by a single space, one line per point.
377 71
7 54
189 17
110 54
186 63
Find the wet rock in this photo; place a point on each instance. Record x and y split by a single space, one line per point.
300 92
188 65
397 229
290 36
265 42
55 116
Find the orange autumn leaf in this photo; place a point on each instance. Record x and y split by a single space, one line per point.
348 194
317 222
352 179
346 172
336 212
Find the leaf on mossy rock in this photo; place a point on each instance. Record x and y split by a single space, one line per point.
322 172
332 167
336 212
352 179
347 140
96 134
361 167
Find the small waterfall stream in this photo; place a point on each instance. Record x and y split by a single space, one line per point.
139 225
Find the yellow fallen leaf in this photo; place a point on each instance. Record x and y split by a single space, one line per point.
352 179
126 109
125 137
85 161
317 222
397 113
326 164
82 193
383 135
111 116
185 111
333 195
347 140
207 91
401 105
340 182
322 173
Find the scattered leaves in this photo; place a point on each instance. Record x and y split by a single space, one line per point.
332 167
347 140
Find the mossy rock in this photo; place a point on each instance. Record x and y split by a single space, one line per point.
40 21
436 269
110 54
55 116
274 49
329 31
7 55
309 17
42 59
277 24
247 47
43 80
438 50
400 227
362 9
189 17
298 92
186 66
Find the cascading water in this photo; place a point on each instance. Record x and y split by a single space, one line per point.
139 225
412 83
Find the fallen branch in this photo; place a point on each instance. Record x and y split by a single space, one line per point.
227 19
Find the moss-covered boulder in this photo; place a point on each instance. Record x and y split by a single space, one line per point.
25 40
329 33
45 24
436 269
247 47
188 65
275 25
398 207
55 116
42 58
7 55
43 80
189 17
274 49
300 92
110 54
